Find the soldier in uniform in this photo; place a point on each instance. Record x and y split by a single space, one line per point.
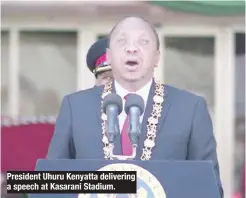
97 63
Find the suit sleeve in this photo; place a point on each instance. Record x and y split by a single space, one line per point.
61 145
202 144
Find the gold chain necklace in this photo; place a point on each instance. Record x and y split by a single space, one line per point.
153 120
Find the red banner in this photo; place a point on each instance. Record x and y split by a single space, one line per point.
23 145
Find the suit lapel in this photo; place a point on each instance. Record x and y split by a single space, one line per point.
117 142
165 109
148 110
98 105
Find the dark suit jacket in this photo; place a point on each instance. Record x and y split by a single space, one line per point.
184 131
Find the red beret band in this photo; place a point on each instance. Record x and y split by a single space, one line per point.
101 60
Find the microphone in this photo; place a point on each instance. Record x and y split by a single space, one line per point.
134 107
112 107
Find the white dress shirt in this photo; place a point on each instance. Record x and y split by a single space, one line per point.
143 92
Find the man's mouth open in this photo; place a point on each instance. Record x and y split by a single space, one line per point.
131 65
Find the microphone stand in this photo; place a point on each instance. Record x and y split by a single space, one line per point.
133 135
122 157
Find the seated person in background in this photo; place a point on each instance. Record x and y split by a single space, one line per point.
97 63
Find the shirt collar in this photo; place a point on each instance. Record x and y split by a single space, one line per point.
143 92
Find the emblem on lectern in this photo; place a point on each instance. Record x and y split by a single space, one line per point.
147 184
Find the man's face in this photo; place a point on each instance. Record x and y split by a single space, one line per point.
133 52
104 78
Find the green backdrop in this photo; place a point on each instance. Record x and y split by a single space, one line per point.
217 8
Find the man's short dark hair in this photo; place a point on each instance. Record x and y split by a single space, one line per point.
149 24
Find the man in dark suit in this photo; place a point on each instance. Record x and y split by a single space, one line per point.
175 125
97 62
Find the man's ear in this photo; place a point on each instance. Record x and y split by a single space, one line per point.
157 58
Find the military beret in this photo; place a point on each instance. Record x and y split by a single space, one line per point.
96 56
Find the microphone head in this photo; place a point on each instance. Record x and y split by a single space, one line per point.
112 99
136 101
